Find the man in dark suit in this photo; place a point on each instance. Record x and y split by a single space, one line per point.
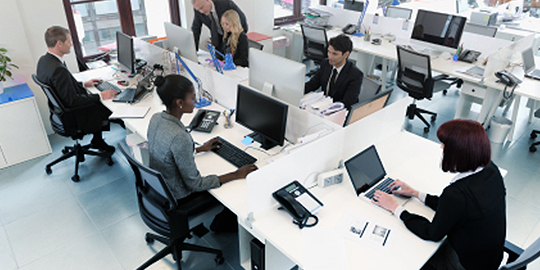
338 77
51 70
208 12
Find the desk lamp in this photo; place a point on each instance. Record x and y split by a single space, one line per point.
201 101
360 19
229 64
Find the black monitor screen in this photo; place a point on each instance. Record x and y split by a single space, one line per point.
354 5
264 115
438 28
126 56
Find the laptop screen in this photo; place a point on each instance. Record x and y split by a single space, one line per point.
528 60
365 169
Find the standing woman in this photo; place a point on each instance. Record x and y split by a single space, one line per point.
235 40
470 212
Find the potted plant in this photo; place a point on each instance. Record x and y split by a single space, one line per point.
5 68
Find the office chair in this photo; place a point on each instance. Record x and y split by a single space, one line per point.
63 122
367 107
315 44
484 30
370 88
518 259
255 44
166 216
534 134
414 77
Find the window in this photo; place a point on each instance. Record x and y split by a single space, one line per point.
94 23
290 11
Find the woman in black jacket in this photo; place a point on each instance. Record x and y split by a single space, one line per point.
470 212
235 40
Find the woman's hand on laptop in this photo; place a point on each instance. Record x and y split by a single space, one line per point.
399 187
385 201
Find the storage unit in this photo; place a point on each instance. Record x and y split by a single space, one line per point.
22 134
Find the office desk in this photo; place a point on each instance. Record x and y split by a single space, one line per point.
421 171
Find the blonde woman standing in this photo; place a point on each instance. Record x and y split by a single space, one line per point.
234 38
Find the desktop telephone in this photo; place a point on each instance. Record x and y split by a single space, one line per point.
507 78
296 200
350 29
204 121
469 56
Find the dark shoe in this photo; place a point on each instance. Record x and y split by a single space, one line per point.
102 146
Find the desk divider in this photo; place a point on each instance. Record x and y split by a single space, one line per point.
322 155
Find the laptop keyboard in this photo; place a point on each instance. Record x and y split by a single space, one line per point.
105 85
382 186
536 73
233 154
128 95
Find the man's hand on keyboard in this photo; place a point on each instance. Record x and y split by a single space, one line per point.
400 188
244 171
209 145
385 201
108 94
92 82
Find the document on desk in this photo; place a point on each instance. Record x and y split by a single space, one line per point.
323 248
367 232
129 111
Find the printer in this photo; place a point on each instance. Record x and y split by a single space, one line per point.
484 17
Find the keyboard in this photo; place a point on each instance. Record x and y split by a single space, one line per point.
233 154
128 95
382 186
105 85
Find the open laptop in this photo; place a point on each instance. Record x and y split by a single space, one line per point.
528 64
131 95
367 174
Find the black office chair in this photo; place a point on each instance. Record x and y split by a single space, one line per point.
162 213
369 89
534 134
518 259
414 77
63 122
315 45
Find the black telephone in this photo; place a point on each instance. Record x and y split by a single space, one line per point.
507 78
294 198
350 29
204 121
469 56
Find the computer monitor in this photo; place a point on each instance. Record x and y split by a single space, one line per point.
182 39
126 53
398 12
353 5
277 76
438 31
264 115
462 6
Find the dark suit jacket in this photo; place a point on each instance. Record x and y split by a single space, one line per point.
348 82
72 93
199 19
240 58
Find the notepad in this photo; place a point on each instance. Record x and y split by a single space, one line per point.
129 111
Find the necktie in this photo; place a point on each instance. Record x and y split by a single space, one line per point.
215 19
332 82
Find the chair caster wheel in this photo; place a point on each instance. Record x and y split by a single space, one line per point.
533 135
444 92
148 239
532 149
433 118
75 178
109 161
426 130
64 151
219 259
48 170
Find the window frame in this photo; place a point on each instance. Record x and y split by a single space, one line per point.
297 14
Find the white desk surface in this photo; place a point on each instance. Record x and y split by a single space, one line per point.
421 171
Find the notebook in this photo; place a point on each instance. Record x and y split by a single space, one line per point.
367 174
528 64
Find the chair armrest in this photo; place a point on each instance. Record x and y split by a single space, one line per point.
512 250
440 77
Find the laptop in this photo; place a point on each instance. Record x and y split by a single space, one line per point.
367 174
528 64
131 95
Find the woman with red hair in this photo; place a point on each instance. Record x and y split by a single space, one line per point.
470 212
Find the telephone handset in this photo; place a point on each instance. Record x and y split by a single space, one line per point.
507 78
204 121
469 56
299 203
350 29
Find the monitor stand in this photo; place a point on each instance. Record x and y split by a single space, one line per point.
266 144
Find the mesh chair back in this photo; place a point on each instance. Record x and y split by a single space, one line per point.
489 31
157 206
315 42
530 254
56 108
370 88
414 73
